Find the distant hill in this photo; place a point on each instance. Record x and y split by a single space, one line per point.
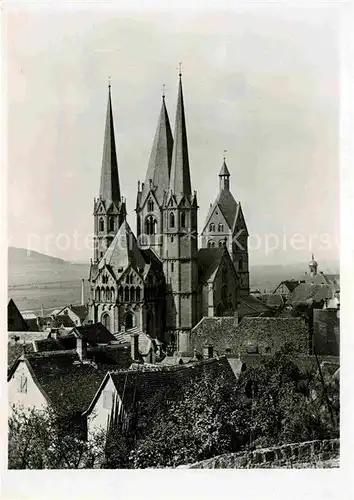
36 280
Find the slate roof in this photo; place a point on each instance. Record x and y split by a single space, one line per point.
109 188
228 206
268 335
180 181
160 159
224 170
209 260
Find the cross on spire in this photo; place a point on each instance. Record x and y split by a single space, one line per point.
180 69
163 90
109 82
225 151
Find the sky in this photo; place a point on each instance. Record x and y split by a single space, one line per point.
260 82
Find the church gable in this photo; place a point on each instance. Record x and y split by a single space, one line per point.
149 203
105 276
100 208
216 223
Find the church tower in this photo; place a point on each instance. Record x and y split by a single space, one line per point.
109 208
180 239
225 225
152 192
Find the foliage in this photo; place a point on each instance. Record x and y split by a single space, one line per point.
36 441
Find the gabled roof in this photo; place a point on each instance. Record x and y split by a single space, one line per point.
180 181
272 300
289 284
15 319
309 293
251 306
123 251
80 311
93 334
160 159
209 260
142 383
109 188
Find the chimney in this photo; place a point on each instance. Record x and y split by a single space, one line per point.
81 348
82 292
135 355
208 351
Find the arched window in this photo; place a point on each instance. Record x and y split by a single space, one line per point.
211 244
108 295
103 294
150 225
126 294
113 295
132 294
212 227
150 206
106 321
120 294
137 294
221 243
129 320
172 219
111 224
183 219
98 295
101 224
221 228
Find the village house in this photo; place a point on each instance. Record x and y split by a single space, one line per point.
77 314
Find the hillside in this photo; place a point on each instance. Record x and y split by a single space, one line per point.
36 280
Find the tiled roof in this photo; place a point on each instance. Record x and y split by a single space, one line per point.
143 384
80 311
14 351
251 306
308 293
93 334
62 320
267 335
272 300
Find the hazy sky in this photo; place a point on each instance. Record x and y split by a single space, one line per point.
261 83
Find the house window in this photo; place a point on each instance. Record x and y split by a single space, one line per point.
150 206
107 397
212 228
221 228
101 224
23 384
172 220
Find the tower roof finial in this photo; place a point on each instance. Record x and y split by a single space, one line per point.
109 82
224 157
163 90
180 69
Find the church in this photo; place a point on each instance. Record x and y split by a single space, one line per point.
158 281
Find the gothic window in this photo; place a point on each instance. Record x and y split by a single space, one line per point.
150 225
221 228
101 224
112 294
103 295
137 294
126 294
221 243
108 295
172 219
111 223
212 228
132 294
106 321
172 267
150 206
98 295
120 294
211 244
172 239
183 219
129 320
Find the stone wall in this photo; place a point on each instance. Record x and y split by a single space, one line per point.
307 453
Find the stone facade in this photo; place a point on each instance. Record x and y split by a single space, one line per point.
155 283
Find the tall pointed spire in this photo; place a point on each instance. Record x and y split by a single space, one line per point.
180 181
160 158
109 188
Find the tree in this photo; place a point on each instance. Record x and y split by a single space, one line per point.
36 441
